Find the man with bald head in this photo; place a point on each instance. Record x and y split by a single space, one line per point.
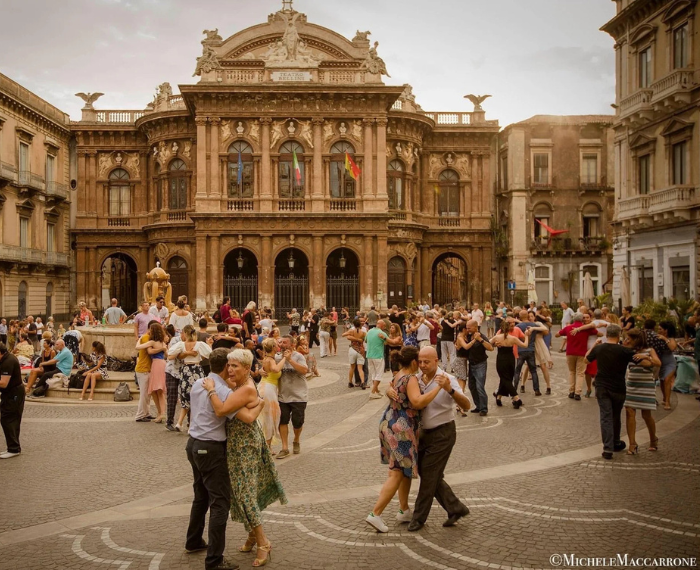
436 439
62 362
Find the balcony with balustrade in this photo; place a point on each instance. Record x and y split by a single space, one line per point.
17 254
30 182
672 91
637 108
669 205
56 190
8 174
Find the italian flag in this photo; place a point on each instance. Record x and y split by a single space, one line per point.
297 170
351 167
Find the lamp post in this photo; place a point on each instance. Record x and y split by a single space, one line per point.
240 261
291 261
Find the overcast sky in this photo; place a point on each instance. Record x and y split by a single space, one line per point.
532 56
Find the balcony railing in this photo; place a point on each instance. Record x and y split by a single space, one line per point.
21 254
57 190
398 216
569 245
240 205
674 82
119 116
447 221
118 222
29 180
638 101
8 172
447 118
343 204
177 215
285 205
674 199
56 258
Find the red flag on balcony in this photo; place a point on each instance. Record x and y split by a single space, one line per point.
550 231
351 167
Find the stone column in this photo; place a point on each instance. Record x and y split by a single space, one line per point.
367 174
215 186
266 272
485 194
91 295
201 123
82 272
92 182
317 291
317 202
148 198
367 290
266 185
201 273
418 281
426 274
381 270
426 192
381 161
214 286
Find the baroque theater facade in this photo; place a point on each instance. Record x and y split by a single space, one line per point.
207 184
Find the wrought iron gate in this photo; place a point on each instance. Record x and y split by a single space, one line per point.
242 290
290 292
343 292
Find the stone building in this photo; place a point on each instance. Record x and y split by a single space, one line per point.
657 150
555 173
35 206
206 183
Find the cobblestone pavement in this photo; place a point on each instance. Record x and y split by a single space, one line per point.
93 488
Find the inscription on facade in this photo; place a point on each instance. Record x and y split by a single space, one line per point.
290 76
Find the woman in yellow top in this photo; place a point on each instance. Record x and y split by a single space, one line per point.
270 415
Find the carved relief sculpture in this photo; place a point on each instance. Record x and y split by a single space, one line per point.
357 131
306 133
207 62
477 100
277 134
105 162
240 129
362 36
328 131
343 129
225 130
187 151
291 129
212 35
435 164
291 50
254 133
134 163
375 64
463 165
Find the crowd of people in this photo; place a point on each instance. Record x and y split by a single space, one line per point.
240 387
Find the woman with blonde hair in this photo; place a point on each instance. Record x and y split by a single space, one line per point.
269 388
254 481
156 348
303 349
191 352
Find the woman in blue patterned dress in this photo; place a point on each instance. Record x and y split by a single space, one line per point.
641 389
397 436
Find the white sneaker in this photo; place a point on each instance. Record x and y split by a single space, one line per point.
377 523
375 396
404 516
8 455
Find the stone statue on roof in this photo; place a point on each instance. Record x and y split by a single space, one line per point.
375 64
207 62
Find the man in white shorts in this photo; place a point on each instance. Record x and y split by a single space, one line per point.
356 353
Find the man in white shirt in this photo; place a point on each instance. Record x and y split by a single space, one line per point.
159 310
601 326
437 437
423 332
477 315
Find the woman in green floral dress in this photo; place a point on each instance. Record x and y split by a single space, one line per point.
254 481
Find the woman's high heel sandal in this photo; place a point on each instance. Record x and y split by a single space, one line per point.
654 445
633 449
249 544
261 562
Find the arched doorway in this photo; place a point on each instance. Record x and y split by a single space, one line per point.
343 280
119 280
449 280
179 277
241 278
396 279
291 282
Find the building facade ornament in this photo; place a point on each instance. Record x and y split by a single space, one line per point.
306 133
254 132
375 64
207 62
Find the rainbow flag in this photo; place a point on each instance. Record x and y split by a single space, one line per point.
297 170
351 167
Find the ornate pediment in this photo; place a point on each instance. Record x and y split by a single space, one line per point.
676 126
639 140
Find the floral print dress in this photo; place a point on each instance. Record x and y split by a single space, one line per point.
397 431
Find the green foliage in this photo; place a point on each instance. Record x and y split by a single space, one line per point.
682 308
557 315
604 299
650 309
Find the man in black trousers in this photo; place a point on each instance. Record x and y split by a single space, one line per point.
436 439
11 401
206 452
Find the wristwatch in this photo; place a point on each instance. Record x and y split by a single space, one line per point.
452 392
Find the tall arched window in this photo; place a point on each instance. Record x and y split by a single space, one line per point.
291 182
22 300
395 182
177 185
49 299
119 193
342 184
240 170
448 199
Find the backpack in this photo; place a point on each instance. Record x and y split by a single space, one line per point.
122 393
76 381
40 391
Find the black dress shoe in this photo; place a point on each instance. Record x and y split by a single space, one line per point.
522 389
143 420
577 397
452 519
151 417
199 548
413 526
549 392
538 393
483 413
619 446
223 565
571 395
170 427
607 455
474 410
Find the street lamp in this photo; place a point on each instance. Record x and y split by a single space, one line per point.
342 261
240 260
290 261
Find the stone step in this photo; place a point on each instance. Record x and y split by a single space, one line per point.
100 393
